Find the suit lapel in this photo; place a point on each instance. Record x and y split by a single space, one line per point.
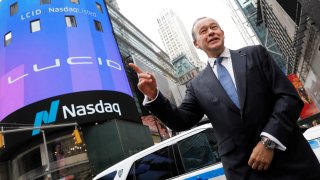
239 69
211 80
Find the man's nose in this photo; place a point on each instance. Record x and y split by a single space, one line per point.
211 31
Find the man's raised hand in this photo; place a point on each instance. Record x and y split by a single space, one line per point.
147 83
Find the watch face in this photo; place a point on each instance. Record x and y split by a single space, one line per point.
268 144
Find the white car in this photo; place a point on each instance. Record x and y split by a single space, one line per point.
313 136
190 155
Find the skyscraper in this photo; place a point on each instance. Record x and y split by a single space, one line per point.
244 12
176 39
239 18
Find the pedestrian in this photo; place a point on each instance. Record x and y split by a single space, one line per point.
251 104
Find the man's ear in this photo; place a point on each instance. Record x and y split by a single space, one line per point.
195 43
223 33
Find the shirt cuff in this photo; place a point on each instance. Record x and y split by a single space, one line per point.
279 145
147 101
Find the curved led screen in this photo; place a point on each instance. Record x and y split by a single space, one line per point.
52 48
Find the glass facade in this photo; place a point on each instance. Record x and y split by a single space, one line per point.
279 34
262 33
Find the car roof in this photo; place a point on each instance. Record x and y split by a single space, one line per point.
128 161
312 133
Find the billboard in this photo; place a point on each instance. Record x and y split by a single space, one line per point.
312 85
59 63
309 107
57 48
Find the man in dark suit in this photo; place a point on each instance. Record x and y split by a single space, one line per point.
254 110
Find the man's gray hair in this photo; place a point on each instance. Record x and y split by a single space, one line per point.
192 30
194 34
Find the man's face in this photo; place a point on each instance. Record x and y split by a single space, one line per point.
209 37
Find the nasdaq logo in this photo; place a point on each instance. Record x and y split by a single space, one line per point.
45 117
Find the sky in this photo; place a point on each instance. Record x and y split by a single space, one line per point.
144 13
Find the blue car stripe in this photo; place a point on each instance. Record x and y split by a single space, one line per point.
208 175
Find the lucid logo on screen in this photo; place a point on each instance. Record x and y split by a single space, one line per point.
72 111
72 61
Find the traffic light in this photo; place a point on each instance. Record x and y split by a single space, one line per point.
76 137
1 141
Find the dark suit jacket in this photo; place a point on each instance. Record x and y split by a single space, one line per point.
269 103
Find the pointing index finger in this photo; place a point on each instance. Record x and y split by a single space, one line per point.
135 68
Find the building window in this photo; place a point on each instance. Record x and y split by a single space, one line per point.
75 1
71 21
99 7
35 25
13 8
98 26
7 39
45 2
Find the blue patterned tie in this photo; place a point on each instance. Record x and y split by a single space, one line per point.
226 82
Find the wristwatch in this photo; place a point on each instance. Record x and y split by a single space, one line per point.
268 143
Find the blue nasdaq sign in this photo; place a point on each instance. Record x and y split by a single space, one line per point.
46 117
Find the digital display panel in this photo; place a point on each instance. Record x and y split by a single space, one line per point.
309 107
55 49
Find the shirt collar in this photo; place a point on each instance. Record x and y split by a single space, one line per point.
225 54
